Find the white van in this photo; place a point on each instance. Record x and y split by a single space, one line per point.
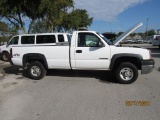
155 40
32 40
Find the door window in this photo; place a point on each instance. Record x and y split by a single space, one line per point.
14 41
88 40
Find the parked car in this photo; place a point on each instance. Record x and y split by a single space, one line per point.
149 41
140 41
129 41
134 41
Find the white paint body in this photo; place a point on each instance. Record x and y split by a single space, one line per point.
91 58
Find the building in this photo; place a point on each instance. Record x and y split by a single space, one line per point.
158 32
137 37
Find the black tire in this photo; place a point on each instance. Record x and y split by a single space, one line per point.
5 56
159 46
36 70
126 73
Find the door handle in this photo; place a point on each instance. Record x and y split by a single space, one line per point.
78 51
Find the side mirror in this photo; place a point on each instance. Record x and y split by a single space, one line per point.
101 44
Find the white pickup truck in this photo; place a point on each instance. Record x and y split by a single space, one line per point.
87 50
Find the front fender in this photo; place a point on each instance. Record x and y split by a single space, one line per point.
124 55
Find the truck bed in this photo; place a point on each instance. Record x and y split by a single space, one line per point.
56 56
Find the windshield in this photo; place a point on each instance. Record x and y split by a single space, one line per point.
105 39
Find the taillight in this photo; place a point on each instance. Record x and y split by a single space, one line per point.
11 56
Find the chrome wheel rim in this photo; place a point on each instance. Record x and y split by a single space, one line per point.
35 71
126 74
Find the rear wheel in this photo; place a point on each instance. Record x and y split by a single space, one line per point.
126 73
36 70
5 56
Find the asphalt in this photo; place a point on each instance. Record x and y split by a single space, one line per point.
1 62
78 95
1 71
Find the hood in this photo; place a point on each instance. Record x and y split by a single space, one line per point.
125 34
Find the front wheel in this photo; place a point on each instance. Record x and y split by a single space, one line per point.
126 73
36 70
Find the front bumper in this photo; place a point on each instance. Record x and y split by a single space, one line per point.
147 66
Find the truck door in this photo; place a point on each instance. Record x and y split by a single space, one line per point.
91 52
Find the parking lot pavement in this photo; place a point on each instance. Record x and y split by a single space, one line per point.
1 62
78 95
1 70
3 65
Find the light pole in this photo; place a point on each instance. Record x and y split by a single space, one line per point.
147 29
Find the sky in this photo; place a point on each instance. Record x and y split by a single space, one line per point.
120 15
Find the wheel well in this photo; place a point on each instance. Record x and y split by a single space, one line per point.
31 57
5 51
133 60
28 61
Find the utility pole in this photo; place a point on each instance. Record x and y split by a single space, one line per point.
147 29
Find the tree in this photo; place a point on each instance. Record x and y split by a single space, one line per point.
6 32
53 12
17 11
71 21
150 32
77 18
3 26
120 33
39 26
11 11
31 9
